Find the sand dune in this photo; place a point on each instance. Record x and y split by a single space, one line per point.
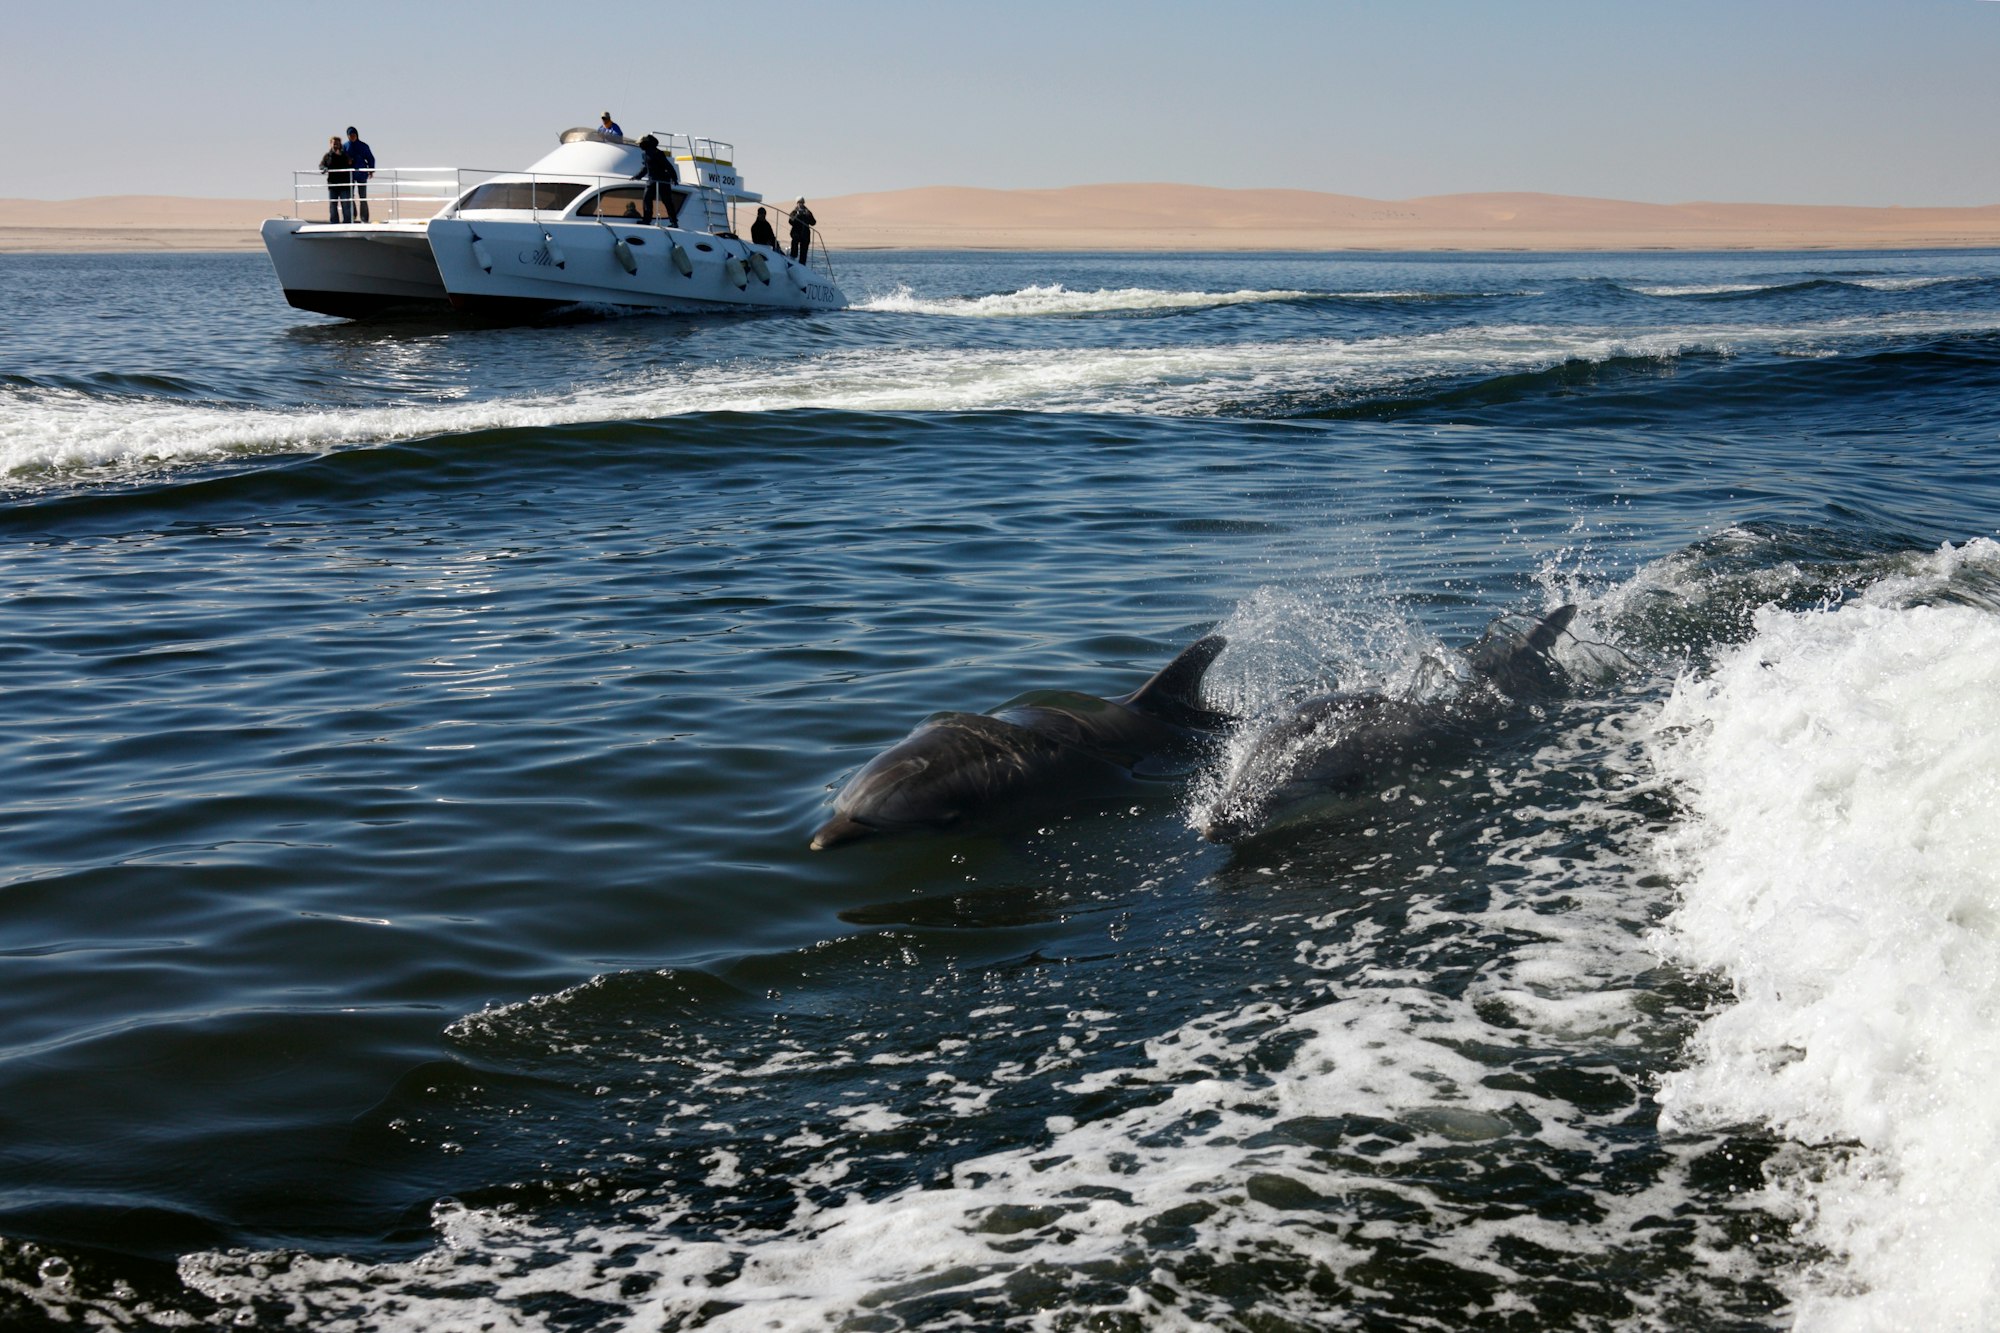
1173 217
133 223
1142 217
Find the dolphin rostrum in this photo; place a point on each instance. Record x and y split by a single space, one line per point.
1341 744
1044 746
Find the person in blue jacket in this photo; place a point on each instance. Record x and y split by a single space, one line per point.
609 127
660 176
362 161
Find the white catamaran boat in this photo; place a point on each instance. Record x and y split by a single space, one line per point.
567 231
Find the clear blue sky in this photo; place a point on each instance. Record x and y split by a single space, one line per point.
1782 101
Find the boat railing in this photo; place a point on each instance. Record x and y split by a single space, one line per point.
395 194
706 150
401 194
682 147
822 256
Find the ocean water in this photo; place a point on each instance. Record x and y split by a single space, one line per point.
412 734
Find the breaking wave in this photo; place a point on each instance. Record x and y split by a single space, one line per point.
1837 866
1728 290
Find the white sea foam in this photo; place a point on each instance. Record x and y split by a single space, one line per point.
1706 288
1056 299
1841 868
1392 1052
1903 284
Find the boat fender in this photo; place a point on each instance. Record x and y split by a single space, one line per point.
555 251
479 253
761 268
732 268
624 253
679 255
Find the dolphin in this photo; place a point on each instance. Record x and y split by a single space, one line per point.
1045 746
1341 744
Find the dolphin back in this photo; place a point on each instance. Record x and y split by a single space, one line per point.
1043 748
1174 692
950 770
1517 662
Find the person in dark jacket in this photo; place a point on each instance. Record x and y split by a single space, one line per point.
362 160
660 176
333 166
761 232
802 221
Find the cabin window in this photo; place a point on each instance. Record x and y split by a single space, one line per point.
522 195
622 202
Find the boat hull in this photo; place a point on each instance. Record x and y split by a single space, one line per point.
354 270
523 265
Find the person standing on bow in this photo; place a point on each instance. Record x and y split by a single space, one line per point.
362 160
333 166
660 176
761 232
802 221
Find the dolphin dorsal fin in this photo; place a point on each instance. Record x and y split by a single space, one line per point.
1520 663
1543 636
1174 692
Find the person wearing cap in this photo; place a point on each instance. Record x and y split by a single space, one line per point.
333 166
660 176
609 127
362 159
802 221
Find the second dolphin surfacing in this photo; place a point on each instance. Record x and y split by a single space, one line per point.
1338 745
1043 747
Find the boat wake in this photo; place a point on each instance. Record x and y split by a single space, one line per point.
1057 300
48 433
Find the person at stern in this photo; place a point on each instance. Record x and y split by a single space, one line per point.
802 221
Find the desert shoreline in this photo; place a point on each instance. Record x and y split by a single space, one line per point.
1141 219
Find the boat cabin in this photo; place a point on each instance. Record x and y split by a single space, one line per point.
589 177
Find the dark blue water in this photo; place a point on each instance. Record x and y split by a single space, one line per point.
413 732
